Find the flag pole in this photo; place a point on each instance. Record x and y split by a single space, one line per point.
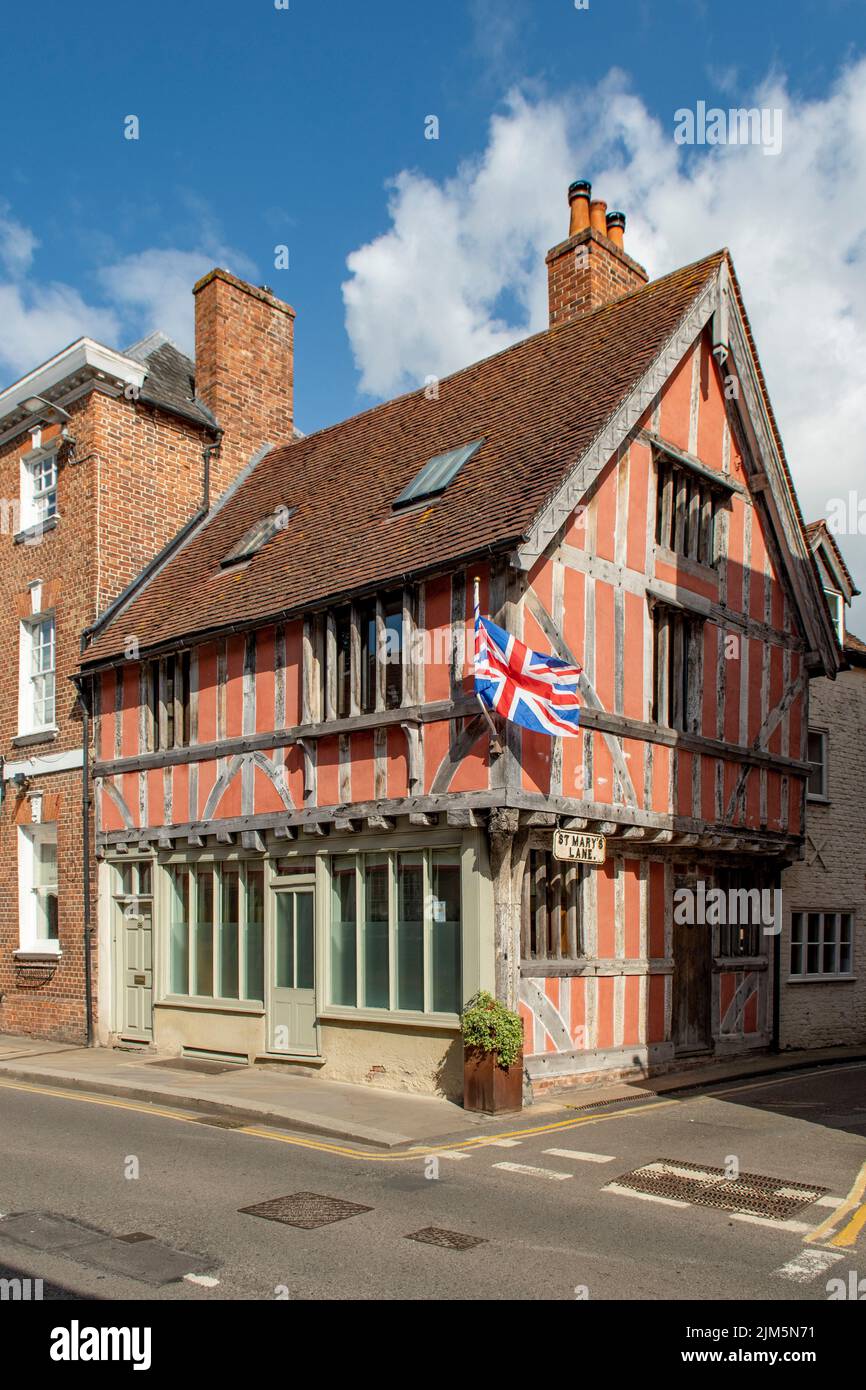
495 743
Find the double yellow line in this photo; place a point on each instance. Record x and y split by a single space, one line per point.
853 1203
344 1150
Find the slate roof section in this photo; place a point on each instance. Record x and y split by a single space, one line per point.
170 381
538 405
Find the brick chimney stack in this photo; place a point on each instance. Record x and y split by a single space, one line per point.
244 368
590 268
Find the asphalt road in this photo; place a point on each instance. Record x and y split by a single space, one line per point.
541 1204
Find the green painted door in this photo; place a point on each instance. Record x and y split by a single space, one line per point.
292 1012
137 972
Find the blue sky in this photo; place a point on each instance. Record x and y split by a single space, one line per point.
262 126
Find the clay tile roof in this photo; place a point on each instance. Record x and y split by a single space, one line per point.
855 649
538 405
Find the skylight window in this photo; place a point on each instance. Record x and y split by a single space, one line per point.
435 476
258 536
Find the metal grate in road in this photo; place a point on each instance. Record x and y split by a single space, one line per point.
306 1210
449 1240
750 1194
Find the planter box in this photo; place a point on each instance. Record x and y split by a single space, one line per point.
489 1087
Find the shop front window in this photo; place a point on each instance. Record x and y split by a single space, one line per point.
216 931
396 931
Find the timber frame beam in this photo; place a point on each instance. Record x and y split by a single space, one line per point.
634 831
600 720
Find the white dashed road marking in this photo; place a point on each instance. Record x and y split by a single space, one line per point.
504 1143
808 1265
451 1153
579 1155
533 1172
643 1196
207 1281
798 1227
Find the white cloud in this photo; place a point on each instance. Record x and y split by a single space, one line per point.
39 320
139 292
153 289
17 244
460 271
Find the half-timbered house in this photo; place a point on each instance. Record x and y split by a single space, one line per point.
312 851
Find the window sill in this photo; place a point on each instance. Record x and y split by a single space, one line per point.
686 563
47 735
34 533
390 1018
199 1004
821 980
33 957
815 800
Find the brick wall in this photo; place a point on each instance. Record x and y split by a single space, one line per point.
586 271
828 1012
127 485
244 352
46 1001
138 480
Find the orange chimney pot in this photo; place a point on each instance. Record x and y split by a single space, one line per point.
598 216
579 195
616 228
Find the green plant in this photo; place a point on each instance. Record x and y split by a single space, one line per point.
488 1025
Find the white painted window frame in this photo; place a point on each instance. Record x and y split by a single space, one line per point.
836 604
816 976
27 721
29 892
823 796
38 503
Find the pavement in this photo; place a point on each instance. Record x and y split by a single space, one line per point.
368 1115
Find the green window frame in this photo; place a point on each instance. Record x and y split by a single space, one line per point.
395 935
216 930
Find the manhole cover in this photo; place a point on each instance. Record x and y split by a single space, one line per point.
751 1194
305 1209
194 1064
450 1240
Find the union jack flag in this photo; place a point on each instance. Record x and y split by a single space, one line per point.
536 691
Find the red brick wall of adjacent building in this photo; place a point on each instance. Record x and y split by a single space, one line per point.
131 480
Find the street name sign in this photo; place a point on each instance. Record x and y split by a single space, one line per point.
578 848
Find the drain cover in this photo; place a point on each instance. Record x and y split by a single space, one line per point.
149 1261
43 1230
750 1193
134 1237
305 1209
450 1240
